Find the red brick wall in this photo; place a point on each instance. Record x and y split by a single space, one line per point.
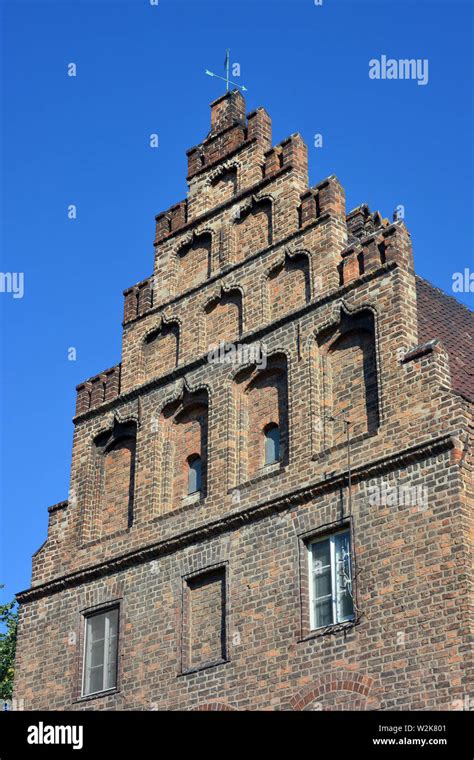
204 633
403 652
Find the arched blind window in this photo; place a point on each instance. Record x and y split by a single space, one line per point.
272 443
194 473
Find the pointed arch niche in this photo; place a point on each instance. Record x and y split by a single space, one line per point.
287 285
223 184
113 490
193 261
223 317
253 227
160 350
346 379
182 440
260 404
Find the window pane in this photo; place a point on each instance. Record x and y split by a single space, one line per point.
96 654
345 606
272 444
96 679
321 554
322 582
194 474
112 617
96 627
344 602
111 674
323 613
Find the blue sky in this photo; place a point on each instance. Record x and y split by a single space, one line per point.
85 141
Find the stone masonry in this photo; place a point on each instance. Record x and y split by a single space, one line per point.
366 376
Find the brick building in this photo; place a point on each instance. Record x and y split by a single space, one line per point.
286 529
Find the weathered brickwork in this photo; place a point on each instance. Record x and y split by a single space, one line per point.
204 620
348 372
187 434
223 318
360 366
261 400
160 351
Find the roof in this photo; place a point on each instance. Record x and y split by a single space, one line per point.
441 316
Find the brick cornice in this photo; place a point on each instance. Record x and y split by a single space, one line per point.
419 351
58 506
235 520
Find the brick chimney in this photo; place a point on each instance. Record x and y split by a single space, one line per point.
227 111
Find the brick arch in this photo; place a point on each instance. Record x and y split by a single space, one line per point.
119 477
213 707
216 173
354 687
287 285
254 227
183 432
193 261
223 317
223 183
346 377
160 349
260 398
112 503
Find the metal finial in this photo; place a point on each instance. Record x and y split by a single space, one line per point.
227 71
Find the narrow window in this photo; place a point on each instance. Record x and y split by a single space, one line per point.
330 571
100 652
272 443
194 473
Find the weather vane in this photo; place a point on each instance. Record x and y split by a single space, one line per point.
226 78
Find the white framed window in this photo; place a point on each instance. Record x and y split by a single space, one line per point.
330 580
100 651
